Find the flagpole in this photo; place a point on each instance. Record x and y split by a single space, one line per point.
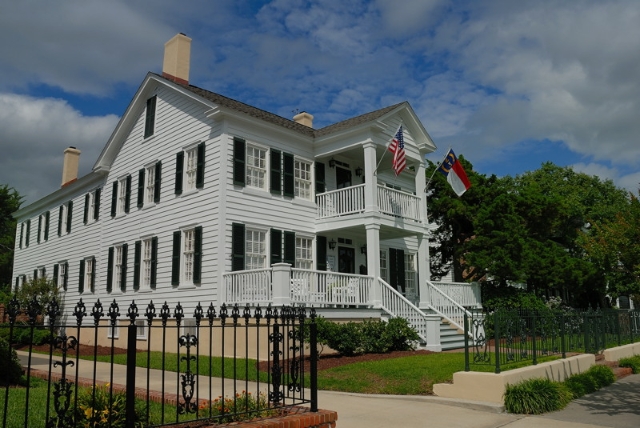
386 149
435 170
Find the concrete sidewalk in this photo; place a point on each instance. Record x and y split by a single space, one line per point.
615 406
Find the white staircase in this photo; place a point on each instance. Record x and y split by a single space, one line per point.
395 304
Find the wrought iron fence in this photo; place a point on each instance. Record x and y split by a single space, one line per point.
184 380
517 336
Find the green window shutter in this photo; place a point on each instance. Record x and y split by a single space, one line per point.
46 226
237 246
92 285
35 274
276 172
200 167
69 215
175 259
55 274
28 237
141 188
290 248
39 228
288 174
197 255
276 246
123 283
96 204
127 197
65 280
137 255
114 198
85 214
154 261
110 270
150 117
17 282
320 178
239 161
81 278
21 234
321 252
60 212
179 172
158 180
396 269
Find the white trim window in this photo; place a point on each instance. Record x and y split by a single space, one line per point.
384 265
122 196
150 185
189 327
188 253
256 167
113 332
62 275
304 253
302 182
89 271
190 168
410 273
141 330
147 254
118 267
256 249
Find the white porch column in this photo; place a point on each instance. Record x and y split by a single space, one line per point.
373 261
433 333
281 284
370 181
423 270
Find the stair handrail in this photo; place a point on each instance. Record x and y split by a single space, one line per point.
449 316
414 316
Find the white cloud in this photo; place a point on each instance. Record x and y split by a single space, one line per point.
33 135
623 179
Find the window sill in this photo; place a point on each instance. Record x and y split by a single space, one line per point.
148 206
254 191
149 138
144 290
305 202
189 192
189 286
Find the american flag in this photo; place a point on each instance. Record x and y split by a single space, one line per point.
397 148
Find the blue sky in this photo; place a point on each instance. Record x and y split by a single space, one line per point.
507 84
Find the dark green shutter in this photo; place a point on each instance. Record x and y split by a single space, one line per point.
65 280
237 246
321 252
110 270
69 216
200 167
85 214
55 274
150 117
81 278
17 282
59 221
175 259
123 282
276 172
137 253
96 204
156 184
127 197
46 226
396 269
288 174
141 188
93 275
114 198
320 178
276 246
239 161
39 228
154 261
35 274
21 234
197 256
290 248
26 242
179 172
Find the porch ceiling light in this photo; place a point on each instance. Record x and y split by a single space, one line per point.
363 249
332 244
332 163
358 172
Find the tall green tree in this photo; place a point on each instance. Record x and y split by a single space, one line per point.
10 202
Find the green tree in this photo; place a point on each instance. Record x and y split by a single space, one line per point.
43 289
10 202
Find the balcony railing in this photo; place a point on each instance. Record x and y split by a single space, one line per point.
350 200
467 295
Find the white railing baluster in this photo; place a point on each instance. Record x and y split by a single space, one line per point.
446 307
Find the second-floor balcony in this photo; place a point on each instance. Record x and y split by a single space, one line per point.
351 200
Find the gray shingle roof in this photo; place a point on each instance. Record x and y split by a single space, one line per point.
227 102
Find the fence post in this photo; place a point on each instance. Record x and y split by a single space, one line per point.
313 376
131 376
534 337
563 331
617 313
466 342
496 343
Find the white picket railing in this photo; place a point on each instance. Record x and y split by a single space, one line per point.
446 307
340 202
396 305
248 286
330 288
467 295
398 204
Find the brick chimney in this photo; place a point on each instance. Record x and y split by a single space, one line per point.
177 58
304 118
70 165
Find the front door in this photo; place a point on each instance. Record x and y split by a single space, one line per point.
346 260
343 178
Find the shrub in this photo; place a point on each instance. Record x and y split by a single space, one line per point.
401 335
375 337
245 406
11 371
632 362
536 396
602 375
97 408
346 339
590 381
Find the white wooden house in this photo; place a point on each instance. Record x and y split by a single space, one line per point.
200 198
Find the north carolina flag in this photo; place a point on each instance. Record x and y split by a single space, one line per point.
452 169
397 148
